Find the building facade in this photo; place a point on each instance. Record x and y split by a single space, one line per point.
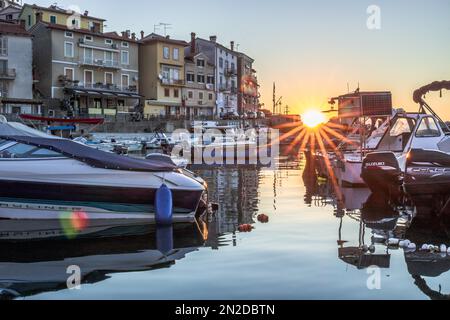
32 14
86 73
10 10
16 72
225 62
248 95
199 97
161 63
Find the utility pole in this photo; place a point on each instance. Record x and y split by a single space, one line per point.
286 110
274 99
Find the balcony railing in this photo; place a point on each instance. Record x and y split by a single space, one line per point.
7 74
101 86
230 72
172 82
100 63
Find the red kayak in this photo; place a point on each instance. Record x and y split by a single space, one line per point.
74 120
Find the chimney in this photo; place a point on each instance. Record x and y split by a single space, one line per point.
38 16
167 37
232 45
86 13
142 34
133 36
213 39
193 44
128 33
124 34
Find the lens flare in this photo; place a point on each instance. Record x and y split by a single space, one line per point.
313 118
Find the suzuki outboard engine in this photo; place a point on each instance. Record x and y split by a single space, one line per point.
382 173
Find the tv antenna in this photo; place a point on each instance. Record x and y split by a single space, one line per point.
164 26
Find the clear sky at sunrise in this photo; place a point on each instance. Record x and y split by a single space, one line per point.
312 49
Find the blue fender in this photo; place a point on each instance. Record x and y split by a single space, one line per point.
164 206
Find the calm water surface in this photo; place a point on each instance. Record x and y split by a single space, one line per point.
308 250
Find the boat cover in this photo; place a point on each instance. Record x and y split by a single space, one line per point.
93 157
19 129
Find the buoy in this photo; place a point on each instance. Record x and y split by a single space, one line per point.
164 239
263 218
372 249
443 248
245 228
424 247
164 206
412 246
365 248
448 251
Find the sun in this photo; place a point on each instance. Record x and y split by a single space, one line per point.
313 118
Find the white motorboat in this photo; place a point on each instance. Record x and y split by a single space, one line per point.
52 172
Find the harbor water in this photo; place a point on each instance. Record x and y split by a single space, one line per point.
308 249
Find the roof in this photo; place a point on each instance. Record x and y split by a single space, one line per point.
57 10
109 35
154 38
221 46
14 29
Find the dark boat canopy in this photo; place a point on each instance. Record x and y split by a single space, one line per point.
93 157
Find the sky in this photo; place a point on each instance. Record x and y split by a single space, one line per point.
314 49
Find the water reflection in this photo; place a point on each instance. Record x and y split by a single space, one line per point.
420 219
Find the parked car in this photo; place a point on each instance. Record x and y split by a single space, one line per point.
230 116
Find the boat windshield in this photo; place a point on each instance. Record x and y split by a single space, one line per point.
396 139
25 151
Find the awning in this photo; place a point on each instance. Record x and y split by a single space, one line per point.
20 101
81 91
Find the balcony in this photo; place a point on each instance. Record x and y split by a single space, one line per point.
101 88
99 63
172 82
7 74
230 72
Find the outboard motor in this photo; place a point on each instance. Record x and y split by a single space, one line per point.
382 173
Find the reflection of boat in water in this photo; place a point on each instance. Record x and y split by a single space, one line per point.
29 268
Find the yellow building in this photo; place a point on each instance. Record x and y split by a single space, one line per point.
161 69
32 14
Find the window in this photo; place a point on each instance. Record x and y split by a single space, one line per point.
190 95
201 78
109 78
166 52
109 58
108 42
9 17
210 96
29 20
68 34
76 23
210 79
88 55
125 81
89 38
176 93
166 92
200 63
428 129
53 20
68 49
176 54
125 44
200 95
25 151
97 103
3 46
221 62
88 77
125 57
190 77
69 73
